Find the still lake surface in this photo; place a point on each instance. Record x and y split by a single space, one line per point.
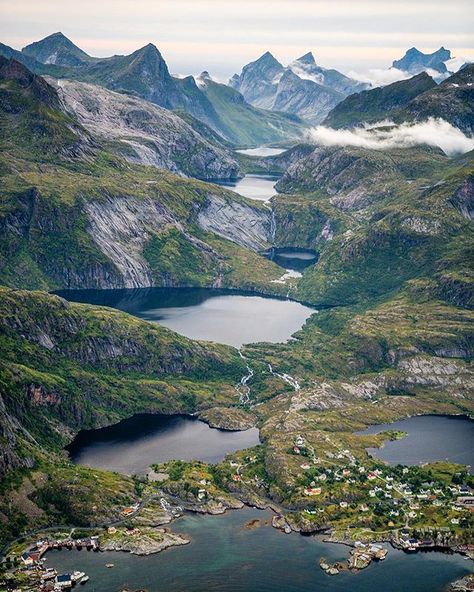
225 556
258 187
132 445
292 259
262 151
224 316
430 438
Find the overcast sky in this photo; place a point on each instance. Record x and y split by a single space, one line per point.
223 35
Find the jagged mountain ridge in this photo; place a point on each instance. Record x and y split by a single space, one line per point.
303 88
244 122
145 74
415 61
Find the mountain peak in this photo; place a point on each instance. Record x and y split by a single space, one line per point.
203 79
268 59
149 49
307 58
57 35
56 49
147 62
413 51
415 61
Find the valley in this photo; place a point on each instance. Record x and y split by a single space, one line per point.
207 321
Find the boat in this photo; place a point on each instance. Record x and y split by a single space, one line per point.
85 579
77 575
109 565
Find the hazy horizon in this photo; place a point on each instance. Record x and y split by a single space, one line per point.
221 36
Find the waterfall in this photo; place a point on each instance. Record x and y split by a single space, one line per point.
273 226
243 389
286 378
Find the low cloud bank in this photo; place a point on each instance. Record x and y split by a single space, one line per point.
380 77
455 64
434 132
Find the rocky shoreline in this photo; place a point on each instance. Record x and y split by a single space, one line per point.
230 419
144 542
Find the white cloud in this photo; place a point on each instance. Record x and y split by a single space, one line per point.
379 76
305 73
434 132
454 64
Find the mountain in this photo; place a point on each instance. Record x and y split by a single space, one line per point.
303 88
309 100
415 99
451 100
242 123
57 49
377 104
145 74
30 62
388 223
415 61
75 215
258 80
32 119
392 284
144 133
306 68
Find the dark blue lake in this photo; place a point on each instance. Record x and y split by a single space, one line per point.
224 316
429 438
132 445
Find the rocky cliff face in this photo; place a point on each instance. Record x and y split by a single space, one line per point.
258 80
463 198
247 226
146 133
110 238
122 228
341 171
303 97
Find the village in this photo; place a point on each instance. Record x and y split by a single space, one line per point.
46 579
364 503
359 504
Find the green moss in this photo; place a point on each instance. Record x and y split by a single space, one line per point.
175 260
